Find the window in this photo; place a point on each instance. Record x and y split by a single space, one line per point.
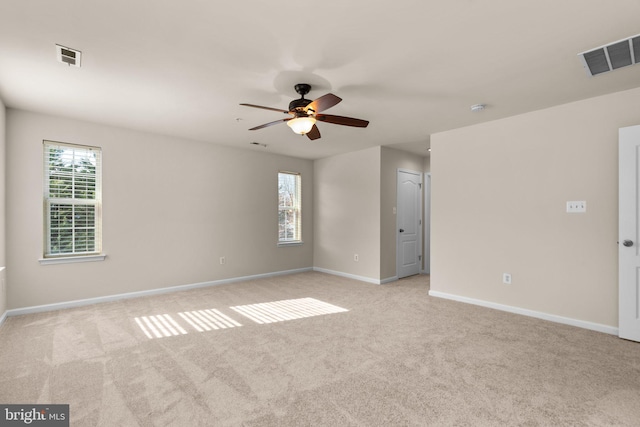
289 208
72 200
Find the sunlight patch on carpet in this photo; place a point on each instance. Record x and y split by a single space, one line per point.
206 320
159 326
280 311
163 325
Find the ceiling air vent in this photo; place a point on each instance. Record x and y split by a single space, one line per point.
612 56
68 56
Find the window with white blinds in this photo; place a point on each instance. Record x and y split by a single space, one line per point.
72 200
289 208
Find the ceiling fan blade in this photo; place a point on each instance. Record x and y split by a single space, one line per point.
266 125
323 103
340 120
314 133
266 108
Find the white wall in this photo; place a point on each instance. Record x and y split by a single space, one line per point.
347 213
3 257
171 208
499 193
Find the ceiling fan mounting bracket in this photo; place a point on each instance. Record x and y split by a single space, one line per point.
303 88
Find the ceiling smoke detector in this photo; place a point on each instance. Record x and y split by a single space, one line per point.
611 56
68 56
478 107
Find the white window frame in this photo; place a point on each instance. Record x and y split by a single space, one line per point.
75 255
294 208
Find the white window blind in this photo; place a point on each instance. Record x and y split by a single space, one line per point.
289 208
72 200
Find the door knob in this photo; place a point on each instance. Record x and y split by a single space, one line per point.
402 230
627 243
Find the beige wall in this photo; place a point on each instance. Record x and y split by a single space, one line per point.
171 208
347 213
426 164
355 194
499 196
391 161
3 257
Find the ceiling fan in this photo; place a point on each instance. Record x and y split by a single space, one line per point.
305 112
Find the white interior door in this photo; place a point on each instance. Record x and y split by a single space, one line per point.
409 223
629 236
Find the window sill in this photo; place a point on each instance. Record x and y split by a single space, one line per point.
72 259
296 243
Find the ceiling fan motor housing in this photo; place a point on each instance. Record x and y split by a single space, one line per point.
299 104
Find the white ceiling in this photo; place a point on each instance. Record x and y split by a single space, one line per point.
412 68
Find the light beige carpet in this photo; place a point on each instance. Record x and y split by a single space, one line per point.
397 357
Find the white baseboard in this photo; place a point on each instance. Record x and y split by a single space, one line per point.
109 298
3 317
349 276
356 277
530 313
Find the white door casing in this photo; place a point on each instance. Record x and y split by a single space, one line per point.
427 223
409 223
629 235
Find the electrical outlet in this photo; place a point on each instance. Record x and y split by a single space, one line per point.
355 257
506 278
222 260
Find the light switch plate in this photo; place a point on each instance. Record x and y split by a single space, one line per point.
579 206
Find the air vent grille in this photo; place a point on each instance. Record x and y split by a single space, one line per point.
636 47
596 61
620 54
68 56
612 56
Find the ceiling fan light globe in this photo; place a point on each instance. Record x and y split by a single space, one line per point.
301 125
